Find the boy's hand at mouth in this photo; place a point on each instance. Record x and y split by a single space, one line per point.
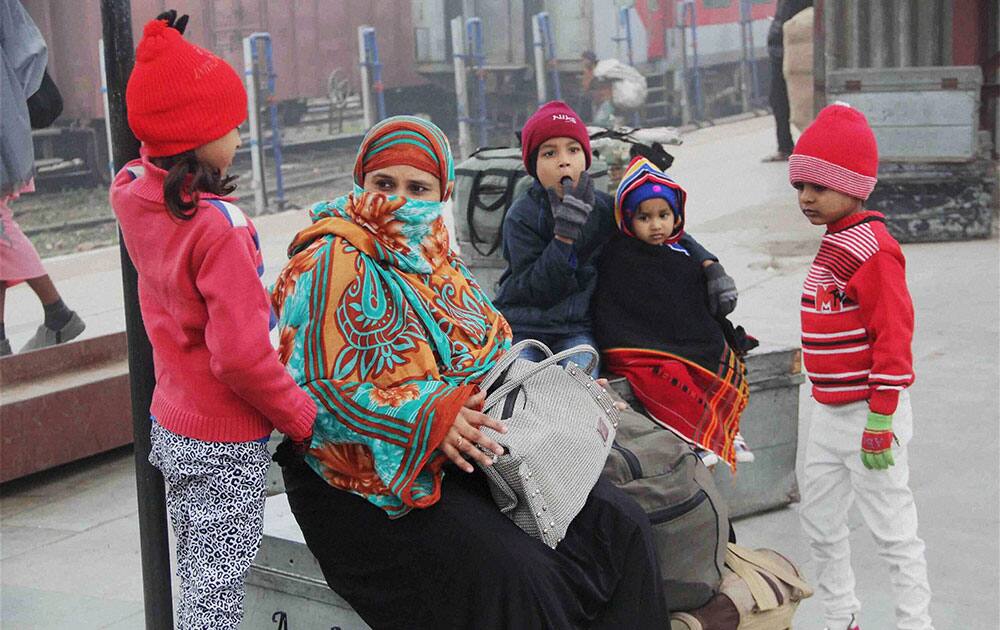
571 212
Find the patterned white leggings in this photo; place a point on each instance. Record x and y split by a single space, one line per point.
216 504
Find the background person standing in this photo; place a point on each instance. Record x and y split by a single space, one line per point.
778 95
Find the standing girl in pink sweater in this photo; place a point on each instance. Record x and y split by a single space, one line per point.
220 388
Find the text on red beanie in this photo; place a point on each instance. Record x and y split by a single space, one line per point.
554 119
837 151
180 96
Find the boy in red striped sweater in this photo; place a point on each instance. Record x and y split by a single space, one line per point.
857 327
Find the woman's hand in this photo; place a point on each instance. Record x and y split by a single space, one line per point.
460 445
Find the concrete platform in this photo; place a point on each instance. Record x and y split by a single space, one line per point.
69 538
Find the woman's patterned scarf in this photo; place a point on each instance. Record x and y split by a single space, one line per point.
387 330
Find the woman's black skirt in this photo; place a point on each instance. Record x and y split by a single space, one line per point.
462 564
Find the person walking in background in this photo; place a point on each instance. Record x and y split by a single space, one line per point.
588 60
23 57
857 332
779 89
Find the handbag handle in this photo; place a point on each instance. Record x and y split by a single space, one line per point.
514 383
508 358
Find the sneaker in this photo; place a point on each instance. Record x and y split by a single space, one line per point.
5 347
45 336
707 457
777 156
852 625
743 453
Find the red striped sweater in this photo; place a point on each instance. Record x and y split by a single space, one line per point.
857 316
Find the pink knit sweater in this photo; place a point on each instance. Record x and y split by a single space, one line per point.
218 377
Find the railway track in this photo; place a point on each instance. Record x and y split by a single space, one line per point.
310 163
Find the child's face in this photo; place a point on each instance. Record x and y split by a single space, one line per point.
653 222
403 180
558 158
822 205
219 152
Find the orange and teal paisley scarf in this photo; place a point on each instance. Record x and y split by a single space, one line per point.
388 331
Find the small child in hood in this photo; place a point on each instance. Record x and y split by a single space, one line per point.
654 324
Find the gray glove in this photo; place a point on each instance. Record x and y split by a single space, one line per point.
571 212
721 291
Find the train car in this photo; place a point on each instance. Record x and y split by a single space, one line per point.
657 36
312 39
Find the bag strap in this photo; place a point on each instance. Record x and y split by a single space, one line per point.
783 573
508 359
503 201
513 383
761 591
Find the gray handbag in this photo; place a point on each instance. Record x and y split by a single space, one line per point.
560 427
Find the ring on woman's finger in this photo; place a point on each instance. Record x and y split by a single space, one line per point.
460 442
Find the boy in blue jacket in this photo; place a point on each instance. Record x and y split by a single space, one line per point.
553 235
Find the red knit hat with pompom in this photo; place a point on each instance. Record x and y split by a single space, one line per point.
837 151
180 96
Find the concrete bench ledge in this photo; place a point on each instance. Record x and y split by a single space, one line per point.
63 403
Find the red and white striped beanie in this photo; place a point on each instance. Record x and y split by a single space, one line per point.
837 151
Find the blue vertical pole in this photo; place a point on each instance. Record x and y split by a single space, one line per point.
272 111
754 86
550 47
626 25
474 33
371 55
691 17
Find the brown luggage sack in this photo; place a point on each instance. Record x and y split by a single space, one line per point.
761 590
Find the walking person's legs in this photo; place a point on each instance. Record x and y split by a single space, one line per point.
19 261
826 498
778 97
61 324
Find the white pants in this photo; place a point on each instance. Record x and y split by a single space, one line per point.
834 477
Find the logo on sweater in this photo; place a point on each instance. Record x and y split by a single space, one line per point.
564 118
829 299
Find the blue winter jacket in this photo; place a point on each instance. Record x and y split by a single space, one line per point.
548 284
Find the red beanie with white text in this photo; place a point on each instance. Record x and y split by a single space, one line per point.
180 96
554 119
837 151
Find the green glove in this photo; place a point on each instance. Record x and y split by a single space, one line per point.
876 442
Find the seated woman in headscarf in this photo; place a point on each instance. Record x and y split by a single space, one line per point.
382 324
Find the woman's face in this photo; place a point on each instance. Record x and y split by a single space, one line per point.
403 180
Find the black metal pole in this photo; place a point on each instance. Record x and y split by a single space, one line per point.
119 57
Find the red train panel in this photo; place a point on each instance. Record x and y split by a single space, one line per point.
660 15
311 39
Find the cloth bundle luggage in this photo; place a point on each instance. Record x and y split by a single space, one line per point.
688 514
761 589
629 89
